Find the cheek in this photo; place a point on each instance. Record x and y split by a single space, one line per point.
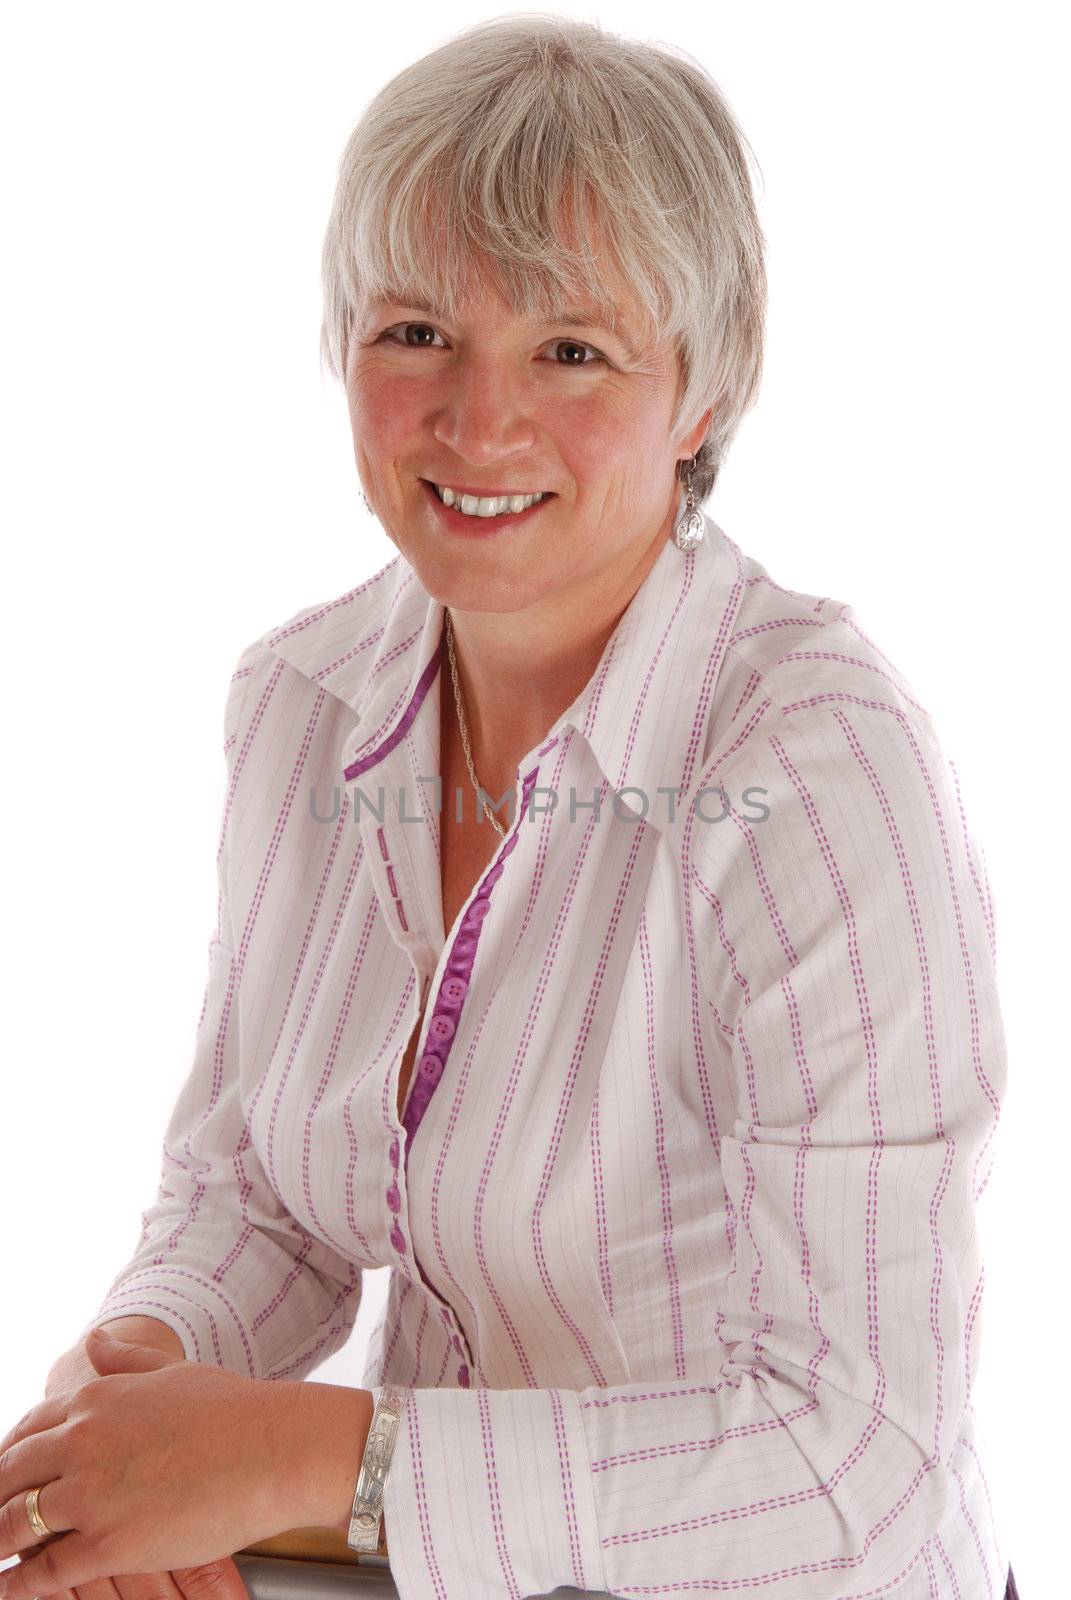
385 414
611 443
602 433
595 433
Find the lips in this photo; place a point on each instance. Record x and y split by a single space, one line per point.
461 489
473 527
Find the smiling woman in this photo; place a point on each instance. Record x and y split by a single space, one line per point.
542 194
669 1114
459 424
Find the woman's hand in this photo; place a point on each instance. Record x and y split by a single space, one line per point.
216 1580
166 1468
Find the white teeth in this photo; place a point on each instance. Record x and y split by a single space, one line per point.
486 505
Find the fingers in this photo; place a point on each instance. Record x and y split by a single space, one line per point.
99 1589
110 1355
60 1563
33 1463
55 1570
137 1586
47 1413
128 1586
216 1580
17 1532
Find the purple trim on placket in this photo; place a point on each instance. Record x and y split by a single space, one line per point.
453 987
355 768
399 908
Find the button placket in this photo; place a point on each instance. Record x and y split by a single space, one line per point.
463 1376
454 984
442 1025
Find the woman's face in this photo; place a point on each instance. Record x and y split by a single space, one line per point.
496 404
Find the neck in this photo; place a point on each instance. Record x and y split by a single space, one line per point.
519 670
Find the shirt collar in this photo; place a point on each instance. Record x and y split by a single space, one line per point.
643 713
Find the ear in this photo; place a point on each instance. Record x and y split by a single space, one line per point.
115 1355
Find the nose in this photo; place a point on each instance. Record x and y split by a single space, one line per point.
482 419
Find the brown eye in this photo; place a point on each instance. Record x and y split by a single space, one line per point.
421 327
425 327
577 345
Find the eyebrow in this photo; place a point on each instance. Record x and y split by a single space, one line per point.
574 317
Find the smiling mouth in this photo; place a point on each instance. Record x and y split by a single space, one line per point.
471 522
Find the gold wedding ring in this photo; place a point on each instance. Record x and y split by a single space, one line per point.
37 1521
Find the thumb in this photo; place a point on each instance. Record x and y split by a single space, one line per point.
117 1355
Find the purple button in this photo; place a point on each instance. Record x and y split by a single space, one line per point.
463 951
397 1239
444 1313
442 1027
430 1067
456 1342
394 1152
495 872
394 1198
463 1377
454 990
477 911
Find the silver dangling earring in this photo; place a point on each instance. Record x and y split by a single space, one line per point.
367 507
689 530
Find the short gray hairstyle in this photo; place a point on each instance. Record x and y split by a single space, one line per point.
478 149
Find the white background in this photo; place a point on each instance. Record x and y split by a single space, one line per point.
179 479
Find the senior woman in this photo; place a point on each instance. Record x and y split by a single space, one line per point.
601 947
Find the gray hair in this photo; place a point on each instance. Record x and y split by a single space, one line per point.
477 149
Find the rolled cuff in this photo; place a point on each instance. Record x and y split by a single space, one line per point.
489 1493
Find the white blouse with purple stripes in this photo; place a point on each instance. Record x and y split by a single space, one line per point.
682 1213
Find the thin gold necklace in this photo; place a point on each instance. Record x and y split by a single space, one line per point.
464 730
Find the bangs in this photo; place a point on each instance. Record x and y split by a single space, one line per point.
549 164
438 241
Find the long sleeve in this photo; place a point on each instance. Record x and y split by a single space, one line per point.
219 1259
843 948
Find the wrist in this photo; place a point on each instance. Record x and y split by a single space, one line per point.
331 1426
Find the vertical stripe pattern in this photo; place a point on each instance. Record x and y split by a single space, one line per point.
682 1214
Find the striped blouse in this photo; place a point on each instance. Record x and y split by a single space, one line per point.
682 1212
